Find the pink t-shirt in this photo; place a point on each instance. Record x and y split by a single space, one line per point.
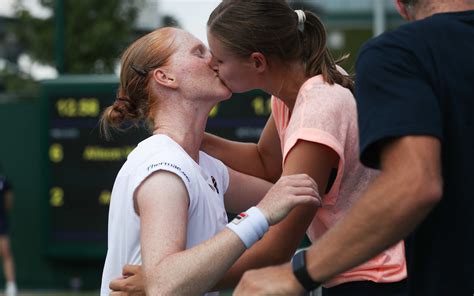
327 114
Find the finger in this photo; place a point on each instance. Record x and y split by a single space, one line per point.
302 180
308 183
302 176
130 269
117 284
304 191
295 191
306 199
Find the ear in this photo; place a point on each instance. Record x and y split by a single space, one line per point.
165 78
258 61
402 10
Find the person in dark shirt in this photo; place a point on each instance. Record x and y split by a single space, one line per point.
415 97
6 202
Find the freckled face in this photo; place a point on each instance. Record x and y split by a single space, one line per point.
191 62
237 73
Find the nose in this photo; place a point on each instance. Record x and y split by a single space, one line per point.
212 63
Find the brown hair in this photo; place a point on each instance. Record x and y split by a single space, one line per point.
409 2
271 27
134 103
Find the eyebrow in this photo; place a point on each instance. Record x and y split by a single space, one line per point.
198 46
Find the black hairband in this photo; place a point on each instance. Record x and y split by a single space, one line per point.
139 71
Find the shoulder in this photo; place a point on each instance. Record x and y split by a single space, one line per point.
213 166
393 56
209 161
160 153
323 110
409 39
150 146
405 35
316 96
157 147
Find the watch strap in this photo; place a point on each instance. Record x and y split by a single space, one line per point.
298 264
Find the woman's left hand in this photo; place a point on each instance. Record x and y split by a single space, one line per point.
131 284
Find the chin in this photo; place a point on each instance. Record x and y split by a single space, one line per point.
239 90
226 95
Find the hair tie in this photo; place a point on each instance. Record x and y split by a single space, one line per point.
139 71
301 19
121 99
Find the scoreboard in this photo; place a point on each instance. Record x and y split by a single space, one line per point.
80 166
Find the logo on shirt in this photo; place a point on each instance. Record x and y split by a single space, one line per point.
214 183
161 164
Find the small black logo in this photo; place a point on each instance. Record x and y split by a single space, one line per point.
214 183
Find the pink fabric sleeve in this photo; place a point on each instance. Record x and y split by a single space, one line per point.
323 114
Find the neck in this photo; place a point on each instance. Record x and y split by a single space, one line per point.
285 82
184 122
432 7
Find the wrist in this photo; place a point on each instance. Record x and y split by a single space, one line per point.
250 226
301 273
264 213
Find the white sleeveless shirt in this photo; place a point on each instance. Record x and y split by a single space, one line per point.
205 182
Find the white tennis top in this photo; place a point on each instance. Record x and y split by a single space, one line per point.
205 182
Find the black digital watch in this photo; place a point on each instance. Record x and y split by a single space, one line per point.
298 264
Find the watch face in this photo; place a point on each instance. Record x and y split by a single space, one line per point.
298 261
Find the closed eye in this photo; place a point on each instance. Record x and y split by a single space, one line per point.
199 51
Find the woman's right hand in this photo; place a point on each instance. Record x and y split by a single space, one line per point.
288 192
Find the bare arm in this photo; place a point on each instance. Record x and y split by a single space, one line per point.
282 240
409 186
244 191
262 160
168 267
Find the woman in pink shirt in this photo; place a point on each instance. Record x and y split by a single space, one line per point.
313 129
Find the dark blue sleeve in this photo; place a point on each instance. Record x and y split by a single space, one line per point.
394 98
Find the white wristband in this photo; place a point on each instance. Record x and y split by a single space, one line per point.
250 226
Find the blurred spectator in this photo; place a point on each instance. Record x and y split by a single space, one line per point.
6 204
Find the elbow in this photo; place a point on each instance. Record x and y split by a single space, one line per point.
429 192
161 283
152 287
156 284
159 288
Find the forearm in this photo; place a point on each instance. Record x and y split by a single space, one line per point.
276 247
242 157
244 191
387 213
282 240
193 271
170 269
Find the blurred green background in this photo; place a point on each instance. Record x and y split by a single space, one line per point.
85 38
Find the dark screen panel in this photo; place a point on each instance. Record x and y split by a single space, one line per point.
82 165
